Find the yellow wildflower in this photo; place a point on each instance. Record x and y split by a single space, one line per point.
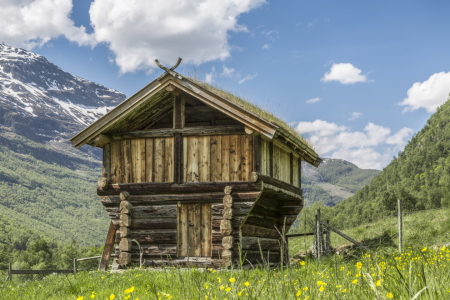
355 281
130 290
359 265
378 283
390 295
227 289
247 284
302 263
321 288
112 297
80 298
298 293
232 280
423 250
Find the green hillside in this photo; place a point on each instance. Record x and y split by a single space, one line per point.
333 181
420 176
51 189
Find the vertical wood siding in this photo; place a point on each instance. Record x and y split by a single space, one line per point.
142 160
281 163
218 158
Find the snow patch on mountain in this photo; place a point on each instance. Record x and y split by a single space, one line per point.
43 94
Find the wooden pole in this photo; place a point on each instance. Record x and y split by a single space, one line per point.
319 246
400 227
74 266
328 239
108 248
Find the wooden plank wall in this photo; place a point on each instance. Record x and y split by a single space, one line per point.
218 158
142 160
281 162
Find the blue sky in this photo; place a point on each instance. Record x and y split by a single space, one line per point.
355 61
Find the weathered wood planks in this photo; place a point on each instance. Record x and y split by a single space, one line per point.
218 158
142 160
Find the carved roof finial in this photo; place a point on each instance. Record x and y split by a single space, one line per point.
166 69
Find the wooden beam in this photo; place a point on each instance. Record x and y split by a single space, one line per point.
291 169
271 158
256 178
100 140
178 158
299 172
107 162
153 188
187 131
257 161
107 250
178 112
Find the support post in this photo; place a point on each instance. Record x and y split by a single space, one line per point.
75 266
400 227
107 249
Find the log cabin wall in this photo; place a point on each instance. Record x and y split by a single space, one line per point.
142 160
280 162
217 158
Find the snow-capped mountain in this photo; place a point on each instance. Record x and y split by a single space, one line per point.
41 101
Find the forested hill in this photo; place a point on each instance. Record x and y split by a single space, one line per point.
333 181
420 176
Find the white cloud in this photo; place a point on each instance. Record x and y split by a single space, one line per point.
266 46
428 94
248 77
313 100
370 148
210 77
139 31
355 115
319 127
399 137
345 73
31 23
227 72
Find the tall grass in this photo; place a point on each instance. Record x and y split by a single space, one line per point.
416 274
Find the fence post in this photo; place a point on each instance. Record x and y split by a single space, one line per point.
400 227
74 266
9 271
328 239
318 236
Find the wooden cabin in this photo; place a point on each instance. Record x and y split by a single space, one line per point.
194 174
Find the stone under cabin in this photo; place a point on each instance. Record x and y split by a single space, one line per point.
193 175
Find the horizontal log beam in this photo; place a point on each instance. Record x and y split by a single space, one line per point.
187 131
256 177
171 188
165 199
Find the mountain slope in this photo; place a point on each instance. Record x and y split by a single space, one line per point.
420 176
45 183
333 181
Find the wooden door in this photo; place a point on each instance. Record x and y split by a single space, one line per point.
194 230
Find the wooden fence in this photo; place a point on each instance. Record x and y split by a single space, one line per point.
51 271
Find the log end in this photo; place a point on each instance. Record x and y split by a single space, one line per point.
124 196
124 258
228 190
254 177
102 183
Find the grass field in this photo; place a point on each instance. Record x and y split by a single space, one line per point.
421 272
424 274
420 229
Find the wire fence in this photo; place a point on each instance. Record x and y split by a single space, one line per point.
399 231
